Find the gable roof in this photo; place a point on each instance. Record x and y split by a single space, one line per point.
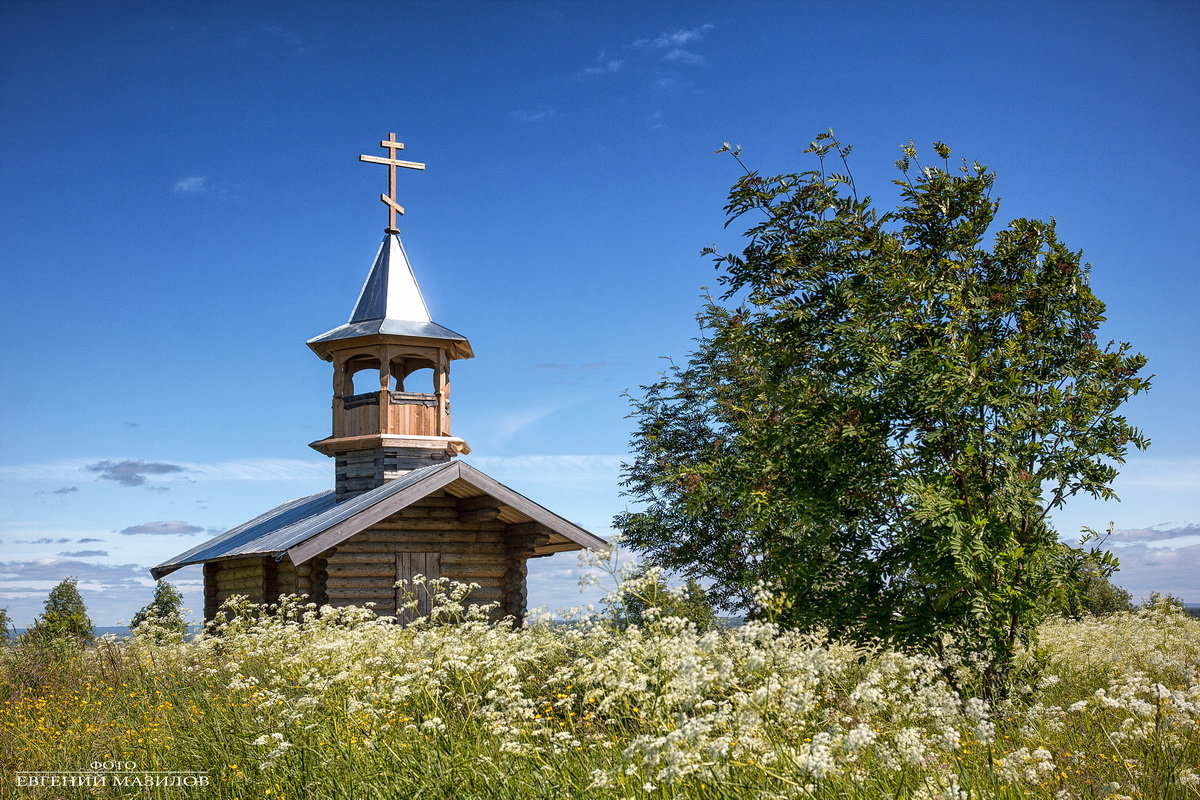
306 527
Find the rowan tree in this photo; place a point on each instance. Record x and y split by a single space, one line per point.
883 409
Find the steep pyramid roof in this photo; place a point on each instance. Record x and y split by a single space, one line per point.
391 291
391 303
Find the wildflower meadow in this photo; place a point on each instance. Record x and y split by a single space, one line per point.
300 702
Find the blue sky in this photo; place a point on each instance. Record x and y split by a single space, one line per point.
183 207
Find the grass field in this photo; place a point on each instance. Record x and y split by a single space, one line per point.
293 705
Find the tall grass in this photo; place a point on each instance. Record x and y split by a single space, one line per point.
339 704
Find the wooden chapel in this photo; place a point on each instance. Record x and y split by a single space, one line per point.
403 503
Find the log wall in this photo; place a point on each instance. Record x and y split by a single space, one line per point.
471 542
472 545
223 579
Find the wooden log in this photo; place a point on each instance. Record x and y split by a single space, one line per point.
210 591
432 541
235 568
242 578
477 502
445 537
447 534
380 607
475 574
342 583
441 501
362 571
238 573
424 512
473 556
493 583
522 528
362 594
433 524
270 579
480 515
242 588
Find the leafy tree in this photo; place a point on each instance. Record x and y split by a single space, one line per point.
5 624
162 618
647 589
64 617
880 420
1095 594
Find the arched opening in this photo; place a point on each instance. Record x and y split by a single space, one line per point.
362 375
414 375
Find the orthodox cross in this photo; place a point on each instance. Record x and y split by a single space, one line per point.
392 162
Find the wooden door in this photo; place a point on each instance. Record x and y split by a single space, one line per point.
407 566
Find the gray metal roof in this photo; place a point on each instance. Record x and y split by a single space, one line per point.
303 526
425 330
284 526
390 302
391 291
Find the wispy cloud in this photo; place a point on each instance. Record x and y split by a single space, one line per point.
43 540
682 56
66 490
83 553
591 366
605 65
513 422
288 37
170 527
553 468
674 45
539 114
1167 474
262 469
190 184
673 40
123 471
56 569
1157 533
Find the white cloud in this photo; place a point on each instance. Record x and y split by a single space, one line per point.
603 66
540 114
675 39
191 184
512 423
1156 533
250 469
556 468
1165 474
175 527
684 57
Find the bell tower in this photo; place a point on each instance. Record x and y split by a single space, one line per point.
391 369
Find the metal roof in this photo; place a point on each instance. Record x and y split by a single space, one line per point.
390 290
390 302
292 525
281 527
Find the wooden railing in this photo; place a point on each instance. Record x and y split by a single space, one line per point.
412 413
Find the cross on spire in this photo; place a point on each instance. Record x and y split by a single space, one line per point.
392 162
